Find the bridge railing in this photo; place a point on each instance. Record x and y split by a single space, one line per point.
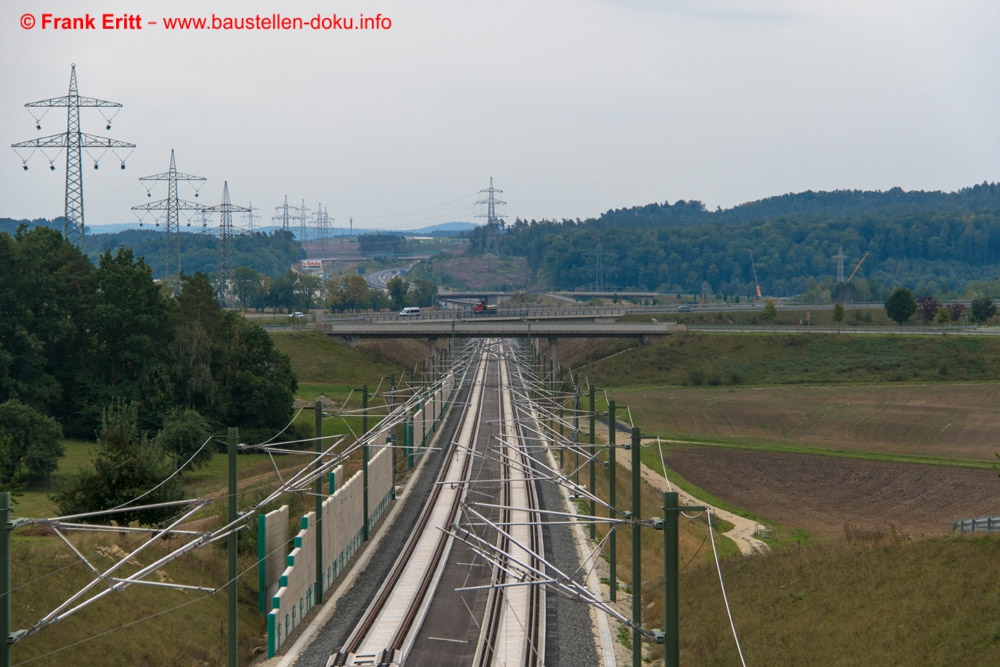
468 314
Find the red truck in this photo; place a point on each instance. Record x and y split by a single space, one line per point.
483 308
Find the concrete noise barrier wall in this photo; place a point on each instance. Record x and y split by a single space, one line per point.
343 532
287 579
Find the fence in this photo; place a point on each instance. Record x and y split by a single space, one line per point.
987 524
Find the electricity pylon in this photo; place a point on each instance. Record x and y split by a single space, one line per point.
324 224
173 206
224 273
73 141
284 218
494 221
303 218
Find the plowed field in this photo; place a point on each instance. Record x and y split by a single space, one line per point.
820 494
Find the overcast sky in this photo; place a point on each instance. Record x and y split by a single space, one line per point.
573 107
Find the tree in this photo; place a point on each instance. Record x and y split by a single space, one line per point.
129 334
128 465
955 311
900 306
770 312
397 288
355 292
307 288
423 293
983 309
928 307
184 434
838 315
246 282
942 317
29 445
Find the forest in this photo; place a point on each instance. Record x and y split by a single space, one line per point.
80 342
934 243
268 254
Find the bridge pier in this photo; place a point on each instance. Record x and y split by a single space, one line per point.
553 358
432 356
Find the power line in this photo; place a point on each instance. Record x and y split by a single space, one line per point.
73 140
173 206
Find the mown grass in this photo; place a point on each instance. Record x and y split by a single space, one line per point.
141 625
319 359
880 601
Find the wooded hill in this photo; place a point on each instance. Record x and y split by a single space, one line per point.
268 254
934 243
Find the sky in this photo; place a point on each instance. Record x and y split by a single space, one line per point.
572 107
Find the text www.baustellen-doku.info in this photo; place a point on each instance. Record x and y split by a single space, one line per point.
54 22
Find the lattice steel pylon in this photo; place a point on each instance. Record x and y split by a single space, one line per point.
494 221
284 217
303 218
323 223
73 141
173 206
224 273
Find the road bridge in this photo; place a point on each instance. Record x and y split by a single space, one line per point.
350 332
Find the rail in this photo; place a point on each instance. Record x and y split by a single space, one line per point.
512 630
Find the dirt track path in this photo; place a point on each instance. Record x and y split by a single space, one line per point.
743 529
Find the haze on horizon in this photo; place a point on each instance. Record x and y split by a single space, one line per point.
573 107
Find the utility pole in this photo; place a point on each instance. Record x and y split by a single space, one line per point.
303 218
231 547
73 141
612 480
365 456
495 224
636 551
282 216
318 597
224 273
173 206
593 470
5 591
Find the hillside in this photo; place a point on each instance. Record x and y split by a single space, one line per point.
931 242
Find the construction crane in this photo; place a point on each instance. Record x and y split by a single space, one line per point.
754 268
857 267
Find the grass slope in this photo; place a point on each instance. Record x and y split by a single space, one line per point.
695 359
879 602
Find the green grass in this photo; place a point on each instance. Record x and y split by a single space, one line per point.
318 360
696 359
881 602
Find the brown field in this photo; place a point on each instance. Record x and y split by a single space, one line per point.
947 421
821 494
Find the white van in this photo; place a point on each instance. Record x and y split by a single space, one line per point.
410 311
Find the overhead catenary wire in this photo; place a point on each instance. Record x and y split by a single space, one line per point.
725 597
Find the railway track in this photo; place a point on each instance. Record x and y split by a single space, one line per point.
509 628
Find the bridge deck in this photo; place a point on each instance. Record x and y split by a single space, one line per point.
498 329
